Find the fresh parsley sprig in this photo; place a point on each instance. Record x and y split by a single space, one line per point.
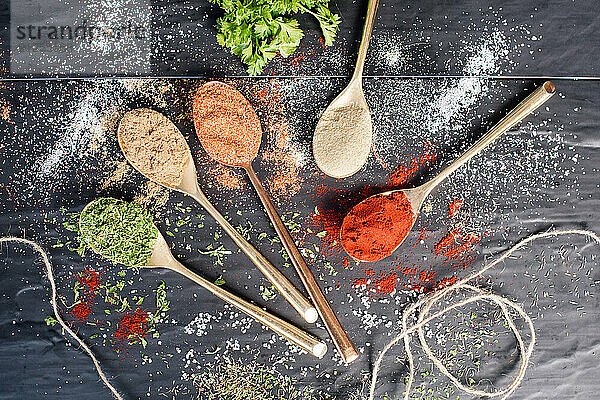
258 30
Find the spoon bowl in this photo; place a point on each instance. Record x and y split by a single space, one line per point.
374 229
187 182
344 133
226 124
162 257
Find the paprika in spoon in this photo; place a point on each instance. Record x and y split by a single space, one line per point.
230 132
375 227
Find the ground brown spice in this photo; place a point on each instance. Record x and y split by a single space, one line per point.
154 146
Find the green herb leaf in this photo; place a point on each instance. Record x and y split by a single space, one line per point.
268 293
256 31
220 281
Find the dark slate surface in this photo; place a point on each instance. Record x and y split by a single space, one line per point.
525 183
551 38
529 197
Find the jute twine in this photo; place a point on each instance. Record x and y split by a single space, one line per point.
424 305
62 323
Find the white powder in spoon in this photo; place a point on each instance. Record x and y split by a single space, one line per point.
342 140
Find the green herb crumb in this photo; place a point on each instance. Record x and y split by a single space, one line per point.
121 231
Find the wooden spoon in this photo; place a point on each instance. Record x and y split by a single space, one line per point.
189 185
211 92
163 258
343 136
383 244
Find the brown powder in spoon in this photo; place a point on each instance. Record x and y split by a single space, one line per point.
154 146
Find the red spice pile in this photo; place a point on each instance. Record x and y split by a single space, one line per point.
453 207
89 281
226 124
374 228
132 326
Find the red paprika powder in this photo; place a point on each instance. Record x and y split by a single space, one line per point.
374 228
89 282
133 326
453 207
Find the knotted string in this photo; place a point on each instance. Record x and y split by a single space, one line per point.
424 305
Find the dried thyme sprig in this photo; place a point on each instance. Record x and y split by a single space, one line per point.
119 230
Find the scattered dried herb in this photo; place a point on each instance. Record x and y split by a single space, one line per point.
220 281
247 379
268 293
119 230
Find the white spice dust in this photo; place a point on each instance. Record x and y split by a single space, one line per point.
342 140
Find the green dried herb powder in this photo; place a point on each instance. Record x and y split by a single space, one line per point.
121 231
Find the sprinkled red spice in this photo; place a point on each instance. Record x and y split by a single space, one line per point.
5 110
454 206
455 244
346 263
376 226
404 172
81 310
90 279
226 124
89 283
360 281
467 242
133 325
279 153
387 284
447 240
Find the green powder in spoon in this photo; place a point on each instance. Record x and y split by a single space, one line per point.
121 231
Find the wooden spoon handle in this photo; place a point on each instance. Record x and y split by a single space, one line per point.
336 331
366 38
283 285
283 328
516 115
